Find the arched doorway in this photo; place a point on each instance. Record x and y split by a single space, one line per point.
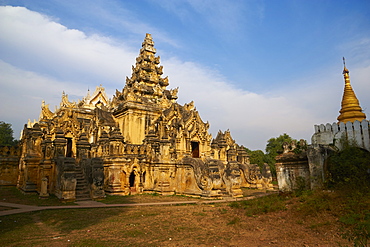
195 149
132 182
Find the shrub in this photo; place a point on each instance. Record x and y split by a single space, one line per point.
349 168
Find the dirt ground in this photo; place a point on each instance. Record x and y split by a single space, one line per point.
183 225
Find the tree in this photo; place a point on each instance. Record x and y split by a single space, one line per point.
273 148
6 135
257 157
275 145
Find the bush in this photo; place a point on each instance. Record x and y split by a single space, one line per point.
349 168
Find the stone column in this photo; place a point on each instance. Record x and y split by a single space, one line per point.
97 191
83 147
68 180
317 156
60 143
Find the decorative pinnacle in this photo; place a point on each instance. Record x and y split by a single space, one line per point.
148 44
345 72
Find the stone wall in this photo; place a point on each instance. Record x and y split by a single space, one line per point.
330 134
9 161
292 171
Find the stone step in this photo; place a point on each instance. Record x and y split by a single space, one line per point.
82 191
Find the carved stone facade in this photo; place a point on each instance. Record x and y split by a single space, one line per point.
140 141
9 161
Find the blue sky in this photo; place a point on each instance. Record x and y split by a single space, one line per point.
258 68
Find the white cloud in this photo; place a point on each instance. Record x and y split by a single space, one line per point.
41 58
32 41
22 92
252 118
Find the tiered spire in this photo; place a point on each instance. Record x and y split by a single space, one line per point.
146 84
147 71
351 109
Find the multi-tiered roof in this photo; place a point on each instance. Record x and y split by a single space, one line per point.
146 84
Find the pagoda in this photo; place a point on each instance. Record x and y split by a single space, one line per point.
351 109
141 141
144 96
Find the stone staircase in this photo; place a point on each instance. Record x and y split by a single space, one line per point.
82 187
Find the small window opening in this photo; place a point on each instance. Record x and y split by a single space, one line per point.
69 152
195 149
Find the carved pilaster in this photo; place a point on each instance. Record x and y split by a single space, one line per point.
83 147
60 143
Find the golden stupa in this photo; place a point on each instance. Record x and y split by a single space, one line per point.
351 109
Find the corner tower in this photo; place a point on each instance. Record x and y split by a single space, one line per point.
351 109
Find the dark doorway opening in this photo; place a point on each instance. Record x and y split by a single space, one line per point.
132 179
195 149
69 152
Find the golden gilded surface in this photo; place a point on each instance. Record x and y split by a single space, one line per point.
351 109
140 141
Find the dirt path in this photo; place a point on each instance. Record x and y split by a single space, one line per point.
13 208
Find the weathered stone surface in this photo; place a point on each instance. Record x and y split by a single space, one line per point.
140 141
9 161
292 168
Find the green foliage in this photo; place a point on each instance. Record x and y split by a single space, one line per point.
313 203
349 168
349 174
275 145
6 135
273 148
257 157
359 228
300 186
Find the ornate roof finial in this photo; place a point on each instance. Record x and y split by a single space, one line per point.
351 109
345 72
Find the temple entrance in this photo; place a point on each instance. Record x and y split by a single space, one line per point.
195 149
132 182
69 152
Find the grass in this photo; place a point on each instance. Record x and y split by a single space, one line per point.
234 221
13 195
261 205
275 216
